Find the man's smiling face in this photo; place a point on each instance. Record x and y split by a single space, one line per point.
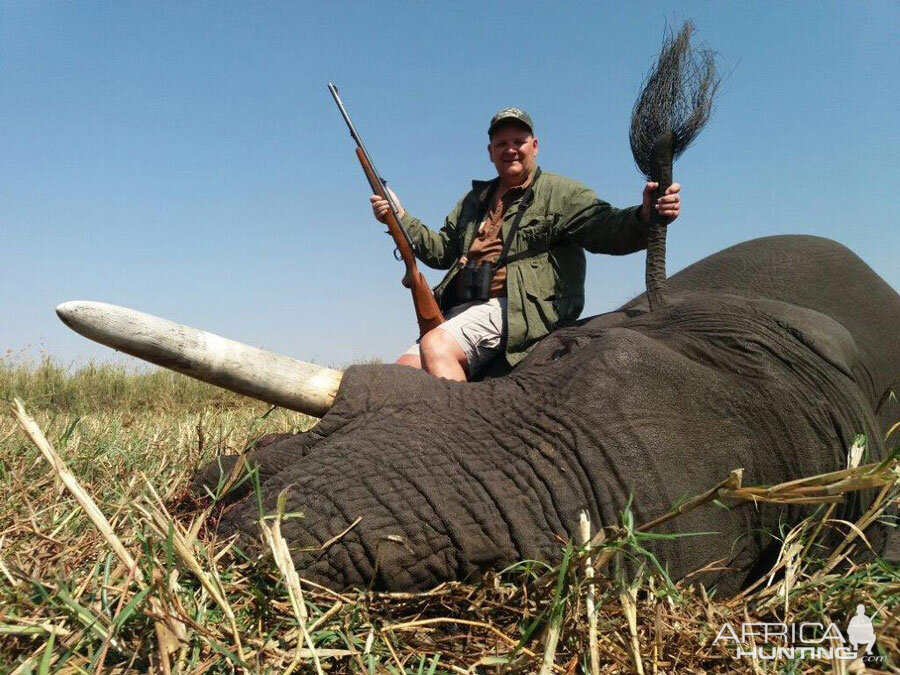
513 149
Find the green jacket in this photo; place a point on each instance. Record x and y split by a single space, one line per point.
546 288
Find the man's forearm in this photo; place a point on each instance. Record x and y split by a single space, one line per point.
432 248
602 228
635 231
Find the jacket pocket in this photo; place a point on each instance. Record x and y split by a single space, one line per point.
539 286
535 234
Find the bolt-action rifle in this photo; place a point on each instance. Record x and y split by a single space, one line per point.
428 314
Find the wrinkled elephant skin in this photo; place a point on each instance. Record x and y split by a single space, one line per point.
771 356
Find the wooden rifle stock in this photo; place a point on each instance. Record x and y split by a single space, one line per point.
428 314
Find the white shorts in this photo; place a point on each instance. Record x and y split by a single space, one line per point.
479 329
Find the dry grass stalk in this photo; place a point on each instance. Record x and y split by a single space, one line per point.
552 640
5 570
877 507
657 642
822 489
817 531
754 659
584 530
410 625
790 554
334 609
390 646
340 535
733 482
628 600
282 555
891 431
34 629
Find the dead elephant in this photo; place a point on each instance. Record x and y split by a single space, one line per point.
771 356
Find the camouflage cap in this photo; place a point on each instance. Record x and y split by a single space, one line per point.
506 114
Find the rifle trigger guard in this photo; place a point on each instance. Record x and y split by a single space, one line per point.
397 255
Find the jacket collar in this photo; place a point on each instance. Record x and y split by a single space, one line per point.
485 188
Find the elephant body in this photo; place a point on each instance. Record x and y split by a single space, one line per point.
771 356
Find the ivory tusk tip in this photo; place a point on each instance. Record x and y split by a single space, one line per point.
69 311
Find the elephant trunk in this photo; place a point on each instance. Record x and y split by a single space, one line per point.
276 379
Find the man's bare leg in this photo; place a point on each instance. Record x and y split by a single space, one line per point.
411 360
442 356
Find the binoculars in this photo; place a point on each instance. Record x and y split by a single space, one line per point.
475 282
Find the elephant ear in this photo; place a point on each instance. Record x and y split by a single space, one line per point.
822 334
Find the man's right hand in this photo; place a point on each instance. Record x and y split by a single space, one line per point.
381 207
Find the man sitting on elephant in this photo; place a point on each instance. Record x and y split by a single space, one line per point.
514 247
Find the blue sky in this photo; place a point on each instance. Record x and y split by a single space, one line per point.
185 159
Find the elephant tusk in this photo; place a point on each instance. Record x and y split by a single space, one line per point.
250 371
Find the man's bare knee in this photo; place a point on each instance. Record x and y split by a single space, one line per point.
442 356
437 344
411 360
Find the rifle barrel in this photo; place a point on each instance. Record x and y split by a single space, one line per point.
355 135
428 313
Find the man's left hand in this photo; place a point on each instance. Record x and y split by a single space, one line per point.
668 206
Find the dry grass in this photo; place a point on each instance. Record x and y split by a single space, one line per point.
68 602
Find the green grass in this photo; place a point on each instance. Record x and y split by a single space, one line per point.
134 438
49 385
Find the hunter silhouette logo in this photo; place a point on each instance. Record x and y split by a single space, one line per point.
809 640
860 631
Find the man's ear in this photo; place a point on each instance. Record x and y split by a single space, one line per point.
489 152
535 145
